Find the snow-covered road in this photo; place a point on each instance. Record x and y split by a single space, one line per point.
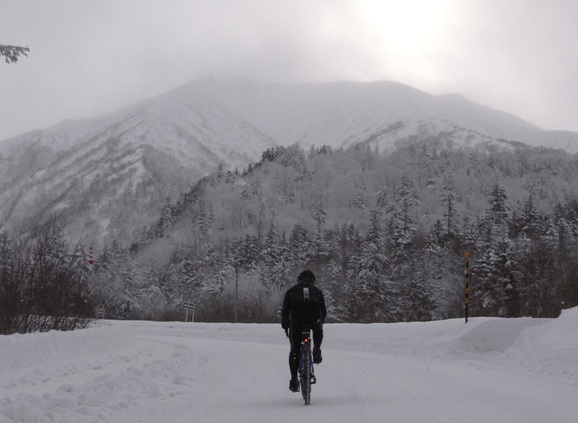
490 370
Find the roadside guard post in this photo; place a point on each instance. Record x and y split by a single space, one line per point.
467 287
189 307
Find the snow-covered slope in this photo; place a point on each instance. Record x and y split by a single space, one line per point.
341 114
110 175
98 172
488 370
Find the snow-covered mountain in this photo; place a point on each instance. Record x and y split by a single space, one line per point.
111 174
341 114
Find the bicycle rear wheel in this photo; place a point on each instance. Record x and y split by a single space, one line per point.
305 375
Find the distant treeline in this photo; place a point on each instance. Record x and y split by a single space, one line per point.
384 232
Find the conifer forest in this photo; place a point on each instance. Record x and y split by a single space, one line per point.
385 232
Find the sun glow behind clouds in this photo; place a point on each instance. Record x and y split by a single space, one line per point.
407 34
498 53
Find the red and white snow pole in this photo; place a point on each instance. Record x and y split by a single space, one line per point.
467 287
90 256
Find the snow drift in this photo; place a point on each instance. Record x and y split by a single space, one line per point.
149 371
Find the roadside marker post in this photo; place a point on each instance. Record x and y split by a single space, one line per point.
467 287
90 256
189 306
100 311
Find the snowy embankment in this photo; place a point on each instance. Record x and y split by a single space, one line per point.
515 370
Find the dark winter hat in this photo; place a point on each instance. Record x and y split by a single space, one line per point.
306 276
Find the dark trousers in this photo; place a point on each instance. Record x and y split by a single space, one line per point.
295 338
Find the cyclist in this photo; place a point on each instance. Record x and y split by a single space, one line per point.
303 304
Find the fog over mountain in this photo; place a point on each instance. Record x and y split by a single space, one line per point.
110 175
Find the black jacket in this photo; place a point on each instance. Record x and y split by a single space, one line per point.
303 303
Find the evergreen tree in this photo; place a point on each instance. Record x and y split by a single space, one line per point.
300 245
450 215
360 200
418 301
275 259
368 270
530 217
406 198
381 196
166 219
498 211
319 213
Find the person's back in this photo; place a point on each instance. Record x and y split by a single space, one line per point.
303 304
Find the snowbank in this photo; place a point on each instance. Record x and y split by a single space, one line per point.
481 335
120 371
29 350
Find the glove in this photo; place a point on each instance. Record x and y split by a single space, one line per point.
285 326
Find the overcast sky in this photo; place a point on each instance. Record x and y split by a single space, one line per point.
93 56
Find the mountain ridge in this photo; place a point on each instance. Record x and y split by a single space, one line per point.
97 172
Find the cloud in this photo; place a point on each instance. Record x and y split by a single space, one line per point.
94 56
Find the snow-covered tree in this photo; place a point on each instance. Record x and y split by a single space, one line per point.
11 54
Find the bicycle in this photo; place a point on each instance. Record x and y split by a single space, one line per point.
306 374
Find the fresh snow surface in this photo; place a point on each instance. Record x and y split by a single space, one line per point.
489 370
